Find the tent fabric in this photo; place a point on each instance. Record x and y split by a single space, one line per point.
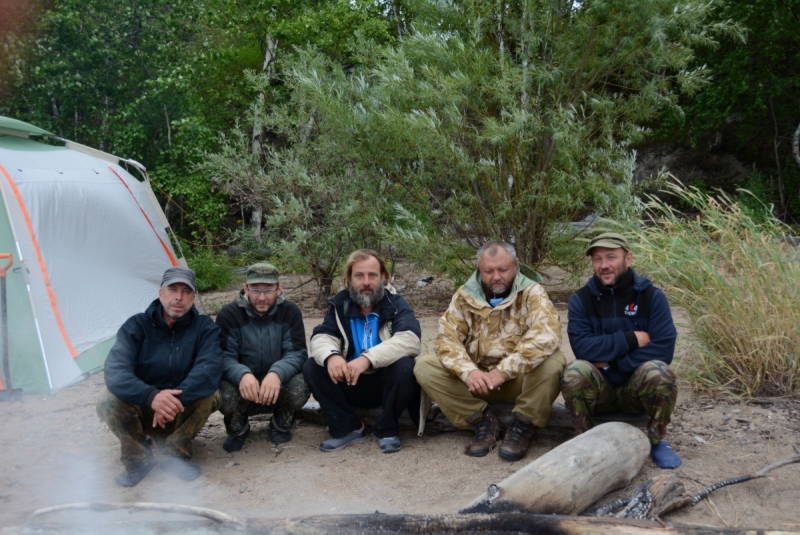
90 245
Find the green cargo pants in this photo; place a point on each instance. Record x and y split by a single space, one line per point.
133 426
651 389
532 394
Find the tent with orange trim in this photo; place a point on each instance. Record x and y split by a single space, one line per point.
88 244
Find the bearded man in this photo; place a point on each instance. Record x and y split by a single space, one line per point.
362 355
498 341
621 331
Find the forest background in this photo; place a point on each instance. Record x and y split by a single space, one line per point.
298 130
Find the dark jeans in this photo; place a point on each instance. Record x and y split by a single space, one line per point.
392 388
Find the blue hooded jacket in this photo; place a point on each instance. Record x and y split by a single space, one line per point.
602 320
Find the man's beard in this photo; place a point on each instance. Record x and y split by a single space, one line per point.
367 300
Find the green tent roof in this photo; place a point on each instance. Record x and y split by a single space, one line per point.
13 124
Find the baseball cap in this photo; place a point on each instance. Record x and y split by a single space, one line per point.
262 273
178 274
609 240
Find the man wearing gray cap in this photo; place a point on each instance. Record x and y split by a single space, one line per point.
621 330
162 375
264 345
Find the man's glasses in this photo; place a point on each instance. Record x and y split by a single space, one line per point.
259 291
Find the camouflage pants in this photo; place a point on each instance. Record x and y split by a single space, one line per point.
651 389
133 426
236 410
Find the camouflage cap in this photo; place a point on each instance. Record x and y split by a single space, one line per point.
262 273
175 275
609 240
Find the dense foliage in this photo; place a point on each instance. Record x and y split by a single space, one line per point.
422 127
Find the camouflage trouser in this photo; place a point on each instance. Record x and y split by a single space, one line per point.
651 389
293 395
133 426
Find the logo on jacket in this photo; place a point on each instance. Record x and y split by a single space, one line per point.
631 309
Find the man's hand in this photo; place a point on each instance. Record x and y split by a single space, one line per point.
166 406
496 379
357 366
600 365
270 388
248 387
338 369
642 337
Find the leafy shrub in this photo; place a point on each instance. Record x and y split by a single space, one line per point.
736 272
214 270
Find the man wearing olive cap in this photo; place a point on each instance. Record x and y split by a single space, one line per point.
162 375
264 349
621 330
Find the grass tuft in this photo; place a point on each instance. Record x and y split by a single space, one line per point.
737 276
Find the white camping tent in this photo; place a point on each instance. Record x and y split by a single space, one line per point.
89 244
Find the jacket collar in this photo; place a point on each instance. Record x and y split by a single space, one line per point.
156 314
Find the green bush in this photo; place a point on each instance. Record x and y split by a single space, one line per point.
736 273
214 270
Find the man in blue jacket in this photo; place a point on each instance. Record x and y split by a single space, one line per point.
162 375
621 330
264 345
363 356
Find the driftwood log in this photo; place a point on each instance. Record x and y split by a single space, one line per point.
509 522
572 476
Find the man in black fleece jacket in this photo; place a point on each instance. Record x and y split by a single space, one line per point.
162 375
264 345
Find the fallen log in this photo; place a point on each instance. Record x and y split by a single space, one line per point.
572 476
509 522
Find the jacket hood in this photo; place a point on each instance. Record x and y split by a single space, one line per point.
640 283
243 302
473 290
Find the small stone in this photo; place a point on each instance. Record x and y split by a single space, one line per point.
700 439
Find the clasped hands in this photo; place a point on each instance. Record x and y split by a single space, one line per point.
481 382
348 372
166 406
265 393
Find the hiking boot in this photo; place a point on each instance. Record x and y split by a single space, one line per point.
517 441
277 436
131 478
233 443
183 468
485 439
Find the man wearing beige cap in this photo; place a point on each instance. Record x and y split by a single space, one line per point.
621 331
264 349
162 375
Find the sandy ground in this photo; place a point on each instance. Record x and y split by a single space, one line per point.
55 451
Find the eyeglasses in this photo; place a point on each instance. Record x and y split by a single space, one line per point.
258 291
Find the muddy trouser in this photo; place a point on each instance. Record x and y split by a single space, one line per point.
532 393
133 425
392 388
236 410
651 389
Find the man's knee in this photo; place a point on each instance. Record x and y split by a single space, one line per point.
655 374
296 392
229 397
112 409
313 372
402 368
425 368
576 378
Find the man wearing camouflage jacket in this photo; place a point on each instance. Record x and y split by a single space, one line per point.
498 342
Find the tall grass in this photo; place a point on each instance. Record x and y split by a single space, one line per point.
737 274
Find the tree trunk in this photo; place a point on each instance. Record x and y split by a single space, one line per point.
324 283
574 475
